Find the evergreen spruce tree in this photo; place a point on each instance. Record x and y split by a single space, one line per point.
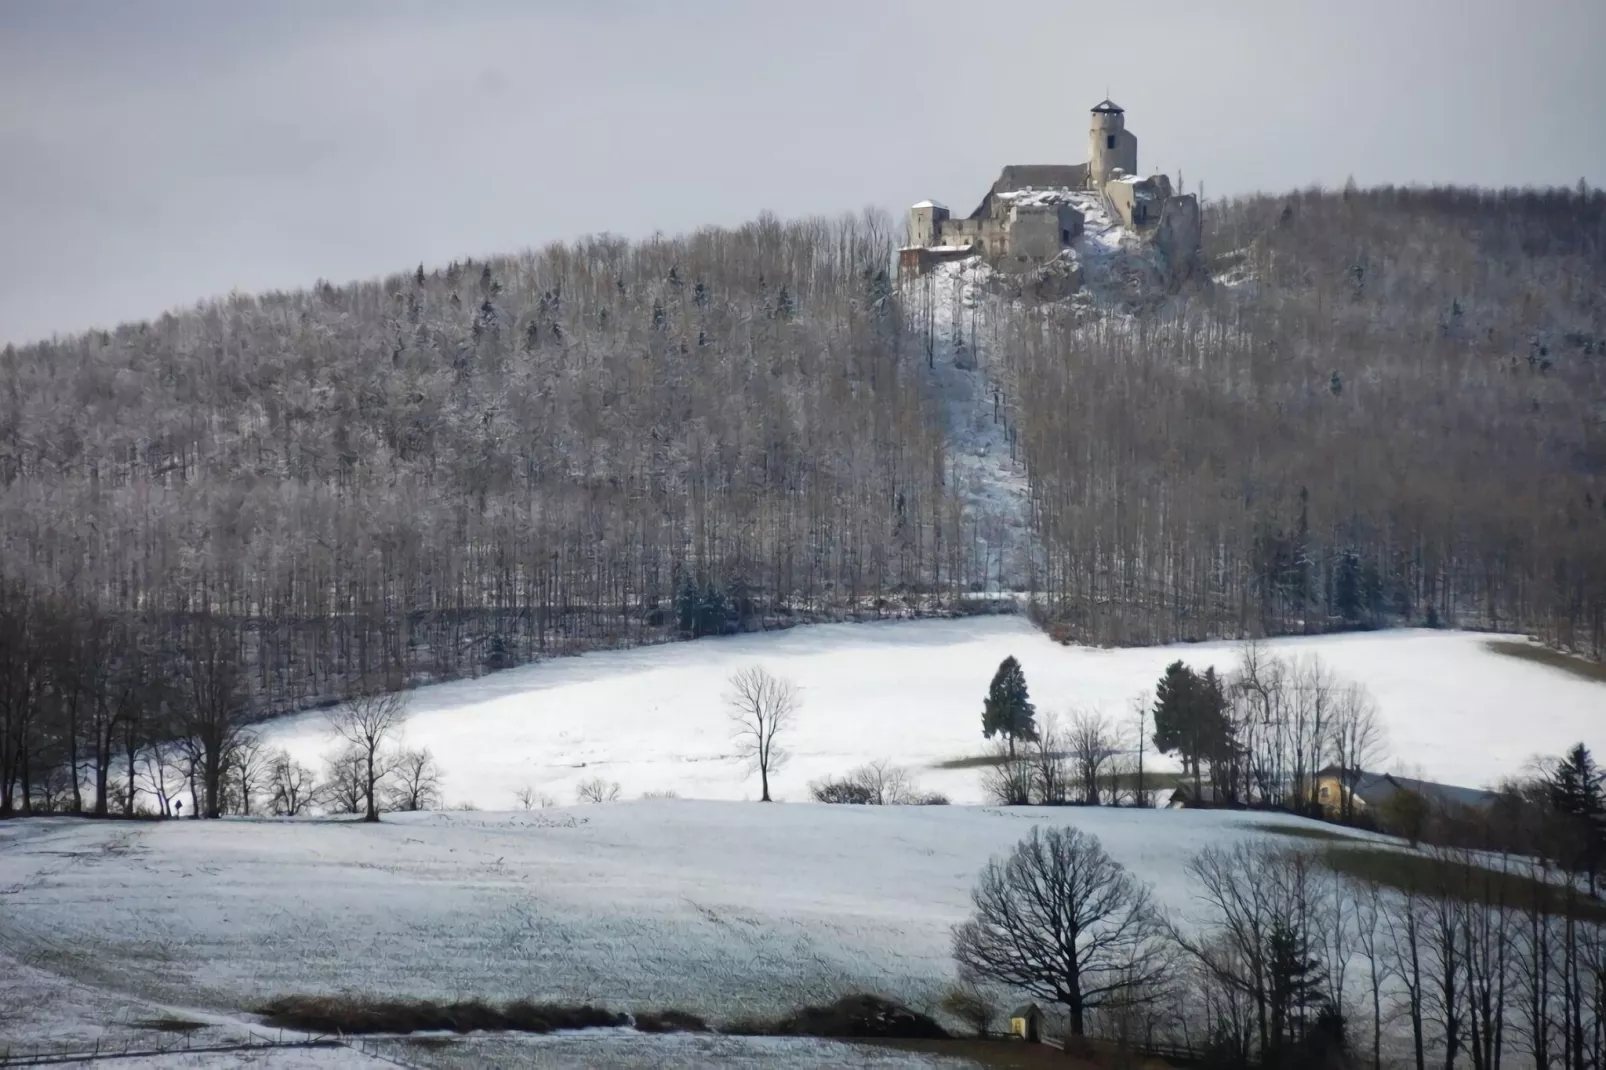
688 602
1207 721
1347 602
739 600
711 612
1294 984
1373 601
1173 698
1579 801
1575 784
1007 709
1190 717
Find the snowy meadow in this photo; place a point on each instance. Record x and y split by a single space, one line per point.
704 902
654 719
719 908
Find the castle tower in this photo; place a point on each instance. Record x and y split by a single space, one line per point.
925 223
1110 144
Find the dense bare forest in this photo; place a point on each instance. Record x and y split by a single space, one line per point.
1391 407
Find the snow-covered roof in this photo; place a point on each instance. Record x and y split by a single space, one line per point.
1375 790
931 204
948 249
1108 106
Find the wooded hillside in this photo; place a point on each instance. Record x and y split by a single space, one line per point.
454 470
1391 408
1396 413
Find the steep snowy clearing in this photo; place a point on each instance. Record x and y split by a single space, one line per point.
653 719
721 908
960 309
957 310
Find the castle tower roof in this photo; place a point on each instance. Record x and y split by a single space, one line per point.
1108 107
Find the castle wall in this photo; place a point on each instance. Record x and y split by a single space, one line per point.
1180 234
1034 233
1138 201
987 232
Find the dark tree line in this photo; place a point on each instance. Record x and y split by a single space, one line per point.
1296 959
120 714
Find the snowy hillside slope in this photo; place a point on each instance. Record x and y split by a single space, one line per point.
724 909
958 309
989 477
653 719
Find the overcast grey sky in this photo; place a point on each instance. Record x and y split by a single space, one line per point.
154 152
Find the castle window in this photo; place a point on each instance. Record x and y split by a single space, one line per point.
1109 141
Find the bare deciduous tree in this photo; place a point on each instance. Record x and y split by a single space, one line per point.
1260 934
1061 919
292 787
249 767
368 723
967 1002
1368 897
415 781
1007 780
762 709
1356 741
1046 753
1091 741
344 788
213 706
597 790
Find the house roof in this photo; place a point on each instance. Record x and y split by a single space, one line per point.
1024 1009
1108 107
1184 790
1375 788
930 204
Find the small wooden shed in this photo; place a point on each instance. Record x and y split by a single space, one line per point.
1026 1023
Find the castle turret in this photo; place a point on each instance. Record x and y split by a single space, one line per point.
925 223
1110 145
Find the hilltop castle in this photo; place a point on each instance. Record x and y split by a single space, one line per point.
1035 211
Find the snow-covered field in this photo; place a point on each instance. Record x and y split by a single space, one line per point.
705 903
609 1050
653 719
721 908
